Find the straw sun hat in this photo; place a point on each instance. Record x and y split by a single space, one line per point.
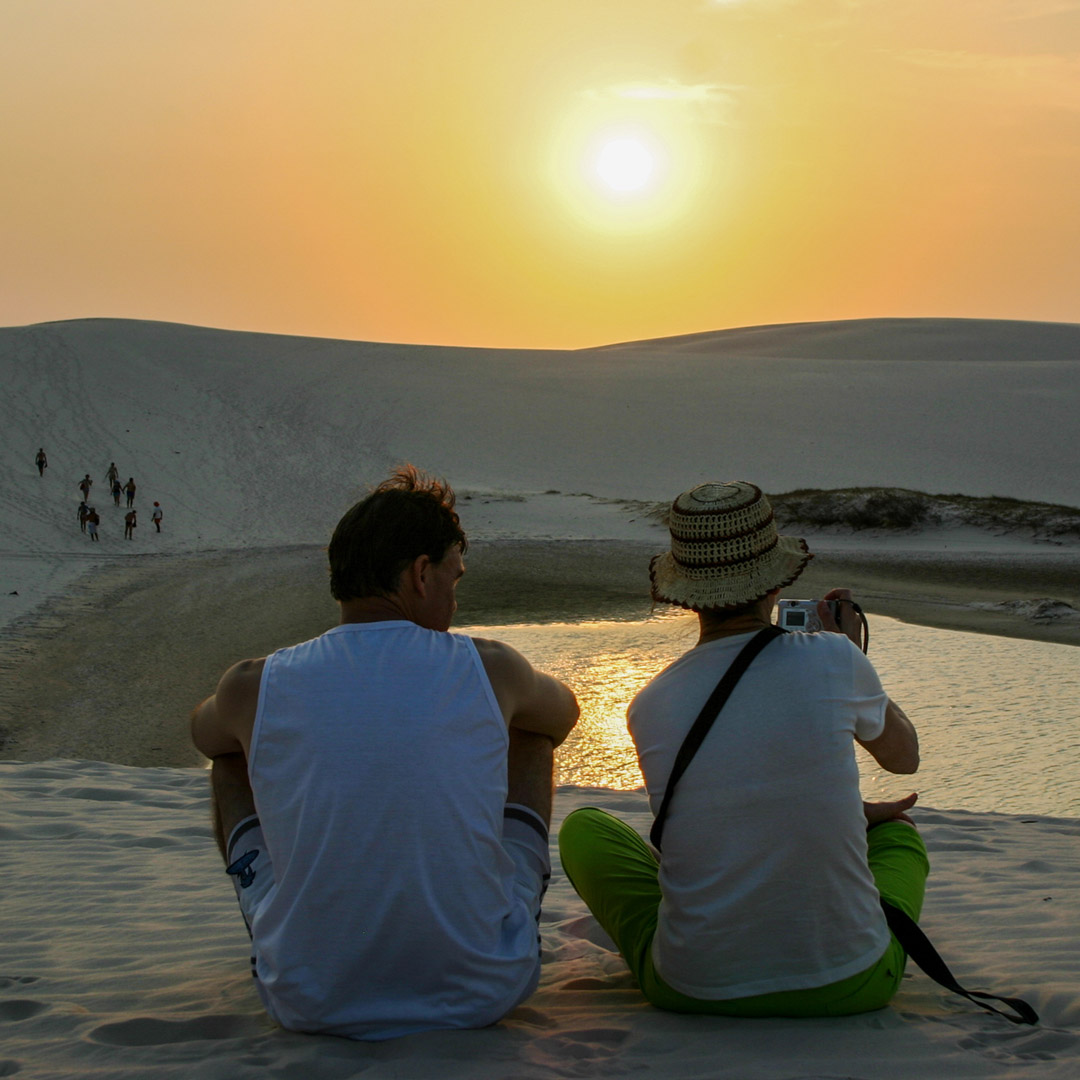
725 550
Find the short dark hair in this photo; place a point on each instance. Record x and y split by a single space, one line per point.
734 611
408 515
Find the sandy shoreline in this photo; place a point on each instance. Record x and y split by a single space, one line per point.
111 671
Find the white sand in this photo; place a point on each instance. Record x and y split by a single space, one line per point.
123 954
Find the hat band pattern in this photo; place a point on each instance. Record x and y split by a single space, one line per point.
734 560
735 534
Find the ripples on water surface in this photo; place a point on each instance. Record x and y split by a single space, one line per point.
998 718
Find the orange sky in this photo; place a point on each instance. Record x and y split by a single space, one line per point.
420 170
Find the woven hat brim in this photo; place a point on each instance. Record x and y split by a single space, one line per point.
713 587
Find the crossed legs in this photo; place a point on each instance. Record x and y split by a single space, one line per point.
616 873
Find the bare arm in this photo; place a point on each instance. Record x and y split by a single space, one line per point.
222 724
529 699
896 749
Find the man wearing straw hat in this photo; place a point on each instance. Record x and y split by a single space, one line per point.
382 793
765 900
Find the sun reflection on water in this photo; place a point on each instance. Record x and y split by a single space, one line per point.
605 663
997 717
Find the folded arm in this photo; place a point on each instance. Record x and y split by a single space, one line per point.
529 699
222 724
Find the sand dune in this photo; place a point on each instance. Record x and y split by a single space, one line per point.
955 340
124 954
255 440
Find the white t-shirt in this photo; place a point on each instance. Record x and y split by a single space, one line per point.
764 875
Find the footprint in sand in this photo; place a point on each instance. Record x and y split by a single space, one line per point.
525 1014
150 1031
20 1009
1020 1046
977 846
577 1053
147 842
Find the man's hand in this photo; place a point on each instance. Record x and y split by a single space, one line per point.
849 623
877 812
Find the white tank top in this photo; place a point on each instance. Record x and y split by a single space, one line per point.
378 765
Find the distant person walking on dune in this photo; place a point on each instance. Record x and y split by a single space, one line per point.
129 525
113 475
129 487
84 513
117 491
92 522
41 461
84 486
156 516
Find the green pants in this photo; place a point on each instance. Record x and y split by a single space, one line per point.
616 873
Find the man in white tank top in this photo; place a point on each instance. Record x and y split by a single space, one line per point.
382 793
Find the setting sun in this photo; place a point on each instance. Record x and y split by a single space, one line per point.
625 164
625 174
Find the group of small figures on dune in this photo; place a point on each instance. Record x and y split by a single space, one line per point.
88 517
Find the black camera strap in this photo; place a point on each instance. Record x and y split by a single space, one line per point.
709 712
865 646
905 929
918 946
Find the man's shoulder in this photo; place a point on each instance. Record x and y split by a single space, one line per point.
245 671
827 652
823 641
238 690
495 651
506 668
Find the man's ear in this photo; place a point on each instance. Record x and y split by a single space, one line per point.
417 574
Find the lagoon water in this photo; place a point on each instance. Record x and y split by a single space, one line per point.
998 718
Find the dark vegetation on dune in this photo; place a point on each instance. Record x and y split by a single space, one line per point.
900 509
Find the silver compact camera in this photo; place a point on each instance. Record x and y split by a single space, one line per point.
803 614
